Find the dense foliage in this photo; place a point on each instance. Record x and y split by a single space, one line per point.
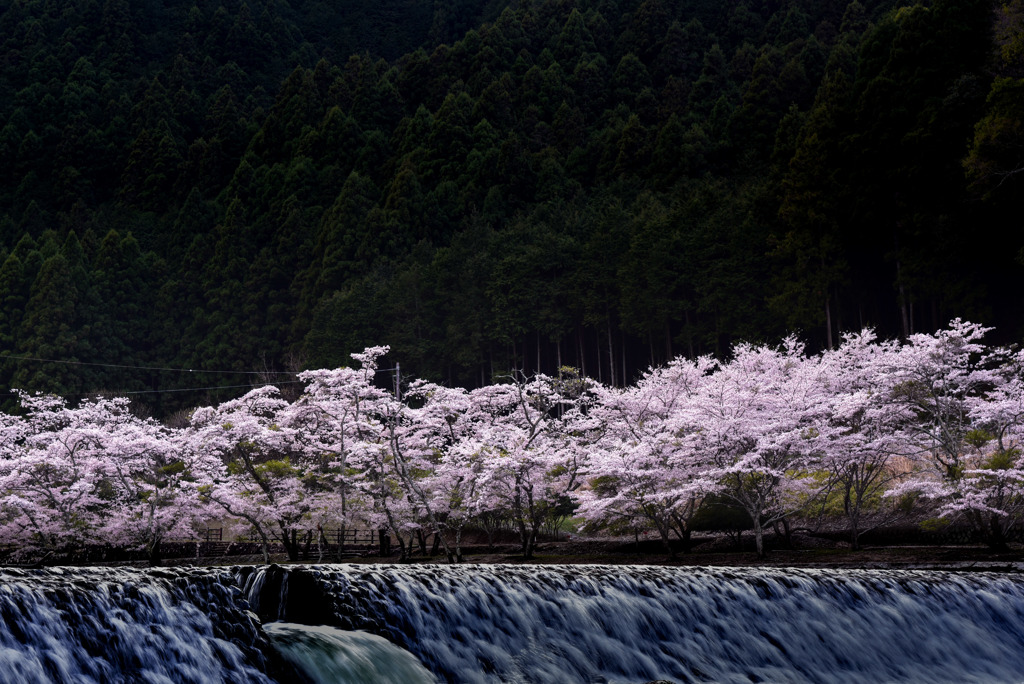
773 432
270 185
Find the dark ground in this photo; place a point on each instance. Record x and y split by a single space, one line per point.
805 552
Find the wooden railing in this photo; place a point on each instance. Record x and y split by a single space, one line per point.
211 542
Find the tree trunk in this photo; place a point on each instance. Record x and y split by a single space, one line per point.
828 323
689 332
490 529
828 309
904 314
403 554
786 534
421 540
531 543
265 545
538 352
582 352
995 538
666 541
524 540
684 537
344 517
758 536
290 539
611 353
682 527
622 355
437 545
458 546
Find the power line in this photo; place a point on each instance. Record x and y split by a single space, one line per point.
146 368
202 389
173 370
161 368
167 391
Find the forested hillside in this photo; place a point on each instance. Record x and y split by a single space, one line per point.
271 185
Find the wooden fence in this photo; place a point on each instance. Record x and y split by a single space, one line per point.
211 542
348 537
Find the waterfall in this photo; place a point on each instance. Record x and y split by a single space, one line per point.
637 624
380 623
118 625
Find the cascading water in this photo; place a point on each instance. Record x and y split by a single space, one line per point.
118 625
509 623
636 624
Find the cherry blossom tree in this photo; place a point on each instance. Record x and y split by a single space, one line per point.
50 491
533 462
243 462
146 501
939 378
336 427
346 422
436 447
991 491
645 470
384 456
761 420
943 380
866 426
94 473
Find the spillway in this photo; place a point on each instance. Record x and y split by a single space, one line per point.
486 623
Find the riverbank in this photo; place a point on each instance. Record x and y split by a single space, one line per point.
805 553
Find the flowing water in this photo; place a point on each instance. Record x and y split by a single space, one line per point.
116 625
327 654
338 623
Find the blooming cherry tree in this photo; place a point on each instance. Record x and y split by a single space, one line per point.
146 502
532 462
762 415
244 463
645 470
338 430
944 380
50 483
866 428
95 473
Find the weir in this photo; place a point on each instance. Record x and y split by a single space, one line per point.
120 625
509 623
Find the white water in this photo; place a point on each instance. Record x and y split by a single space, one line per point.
114 625
326 655
635 624
510 624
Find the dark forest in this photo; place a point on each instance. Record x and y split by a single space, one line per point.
260 187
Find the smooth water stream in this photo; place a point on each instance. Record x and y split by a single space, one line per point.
327 655
508 623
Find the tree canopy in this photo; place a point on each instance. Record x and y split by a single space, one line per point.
269 185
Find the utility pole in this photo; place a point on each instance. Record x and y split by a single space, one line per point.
398 381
